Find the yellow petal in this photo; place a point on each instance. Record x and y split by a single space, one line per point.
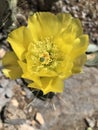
49 85
11 66
52 85
70 28
76 27
44 72
16 39
64 19
64 45
43 24
66 70
79 46
32 77
23 65
27 74
78 63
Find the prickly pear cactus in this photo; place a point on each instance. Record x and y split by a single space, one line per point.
5 14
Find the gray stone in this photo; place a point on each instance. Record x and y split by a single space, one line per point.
79 99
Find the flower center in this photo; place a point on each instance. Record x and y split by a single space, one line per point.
45 53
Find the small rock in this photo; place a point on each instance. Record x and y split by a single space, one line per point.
39 118
21 20
33 122
26 127
30 109
91 122
15 102
2 52
23 93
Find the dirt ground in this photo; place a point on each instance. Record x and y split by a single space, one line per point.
77 107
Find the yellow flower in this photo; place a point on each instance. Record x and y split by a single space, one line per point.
50 49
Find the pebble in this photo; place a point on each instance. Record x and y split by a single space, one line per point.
39 118
15 102
2 52
90 121
26 127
